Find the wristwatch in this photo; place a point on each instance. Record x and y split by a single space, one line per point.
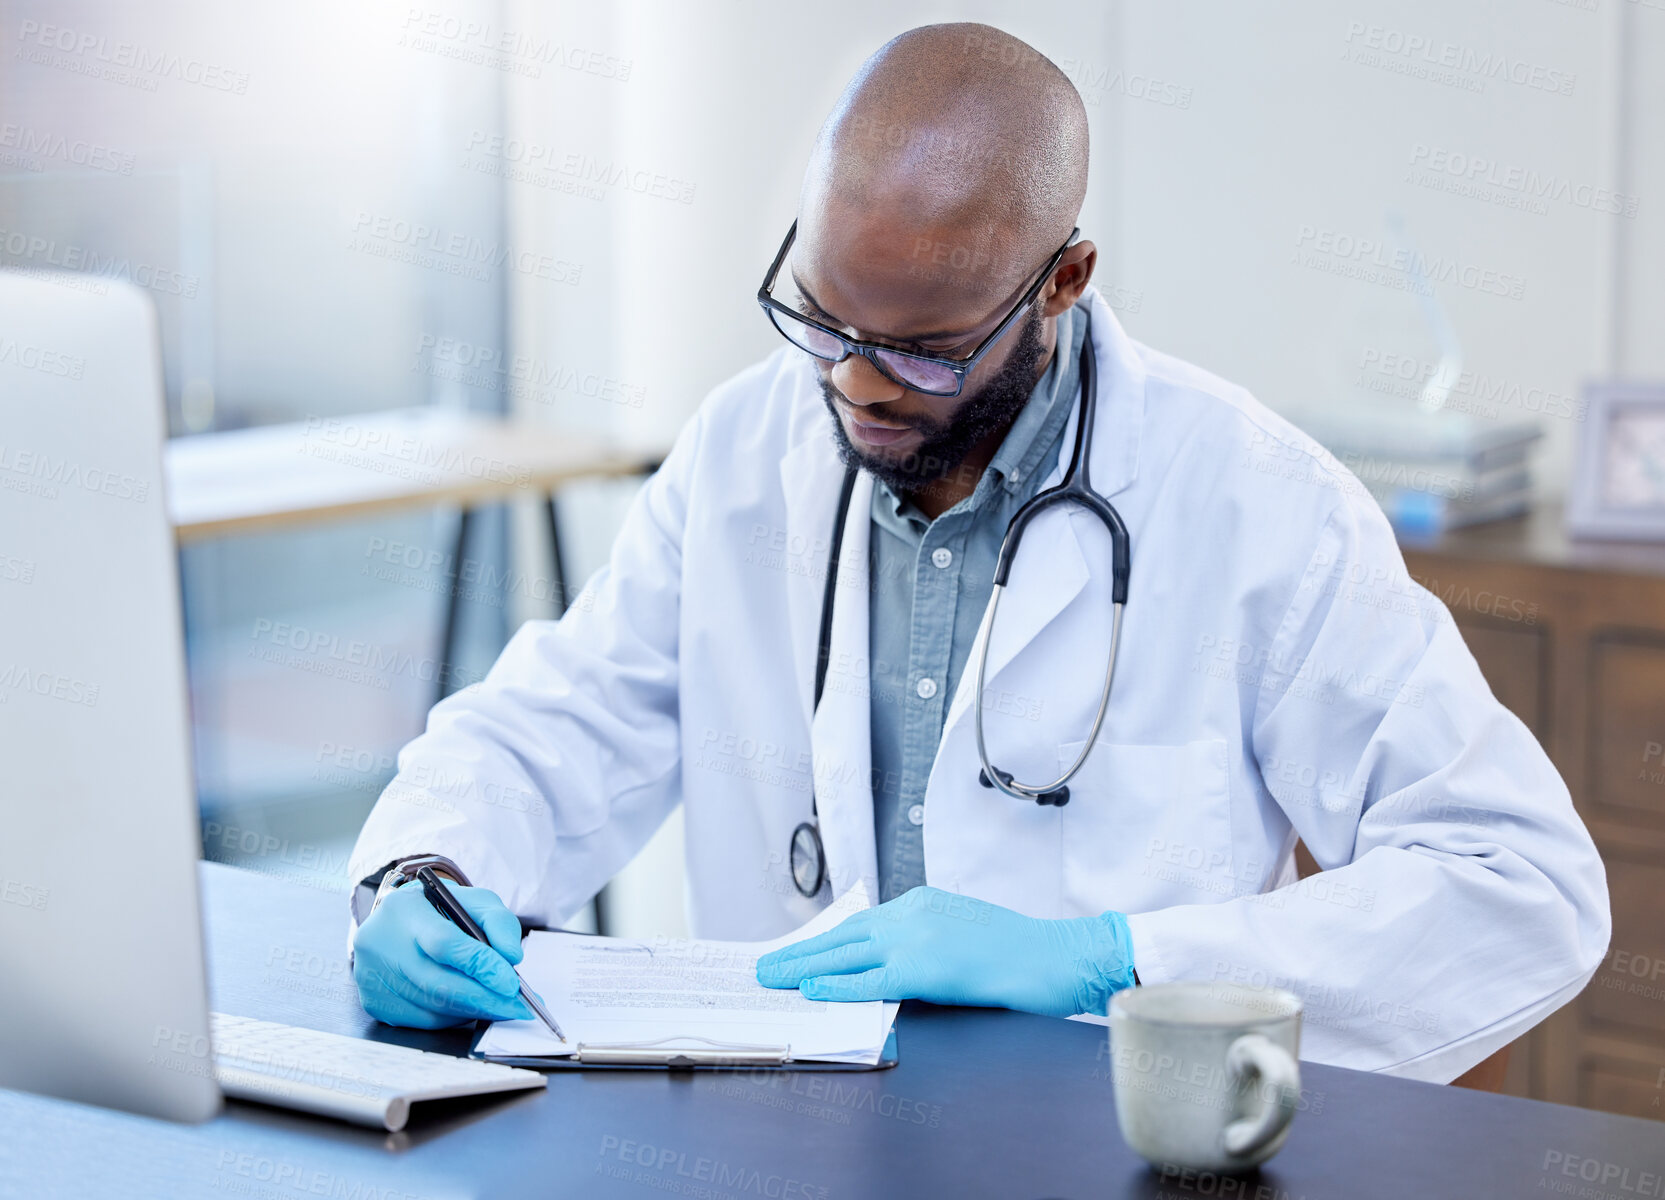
370 892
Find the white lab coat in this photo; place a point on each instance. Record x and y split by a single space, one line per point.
1279 676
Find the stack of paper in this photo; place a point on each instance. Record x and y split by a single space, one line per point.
698 995
1432 471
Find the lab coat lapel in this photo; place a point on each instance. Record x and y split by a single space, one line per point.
811 476
1050 570
1048 574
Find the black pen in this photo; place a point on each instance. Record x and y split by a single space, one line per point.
433 887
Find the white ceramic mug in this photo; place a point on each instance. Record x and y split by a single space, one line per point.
1206 1074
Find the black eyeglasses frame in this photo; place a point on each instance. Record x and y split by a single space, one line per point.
870 350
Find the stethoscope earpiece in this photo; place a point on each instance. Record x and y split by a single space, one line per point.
1058 797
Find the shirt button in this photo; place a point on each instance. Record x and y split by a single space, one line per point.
916 814
926 688
942 556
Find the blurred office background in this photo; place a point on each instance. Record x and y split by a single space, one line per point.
264 172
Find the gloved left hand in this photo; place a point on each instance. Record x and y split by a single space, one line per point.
933 945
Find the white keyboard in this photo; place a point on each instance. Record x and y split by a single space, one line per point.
369 1083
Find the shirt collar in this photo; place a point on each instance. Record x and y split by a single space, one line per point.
890 504
1038 425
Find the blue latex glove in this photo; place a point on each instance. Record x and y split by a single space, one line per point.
413 967
950 949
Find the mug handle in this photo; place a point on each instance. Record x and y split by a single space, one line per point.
1256 1055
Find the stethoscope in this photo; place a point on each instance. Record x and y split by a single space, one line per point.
808 855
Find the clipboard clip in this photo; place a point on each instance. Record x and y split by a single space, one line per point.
657 1054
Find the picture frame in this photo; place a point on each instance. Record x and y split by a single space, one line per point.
1617 490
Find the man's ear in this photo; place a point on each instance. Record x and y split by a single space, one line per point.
1071 277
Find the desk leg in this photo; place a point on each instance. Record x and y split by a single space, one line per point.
453 609
557 569
603 919
558 589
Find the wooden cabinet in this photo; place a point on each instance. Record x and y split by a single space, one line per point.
1571 637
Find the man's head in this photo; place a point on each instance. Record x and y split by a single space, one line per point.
949 172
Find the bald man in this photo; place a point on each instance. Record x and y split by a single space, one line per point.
788 640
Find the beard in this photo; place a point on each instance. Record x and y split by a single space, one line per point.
991 408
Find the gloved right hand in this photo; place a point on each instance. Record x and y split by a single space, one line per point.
413 967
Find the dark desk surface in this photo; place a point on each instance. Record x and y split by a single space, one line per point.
984 1103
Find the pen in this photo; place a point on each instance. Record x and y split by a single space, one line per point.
433 887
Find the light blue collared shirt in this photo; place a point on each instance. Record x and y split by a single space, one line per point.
930 582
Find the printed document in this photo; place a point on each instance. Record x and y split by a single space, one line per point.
672 993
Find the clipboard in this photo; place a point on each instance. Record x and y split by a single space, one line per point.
653 1056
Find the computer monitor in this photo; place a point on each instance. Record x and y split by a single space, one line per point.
102 991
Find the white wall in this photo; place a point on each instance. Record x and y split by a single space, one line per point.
1227 138
1293 127
725 96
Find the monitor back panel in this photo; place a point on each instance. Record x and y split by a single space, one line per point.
103 998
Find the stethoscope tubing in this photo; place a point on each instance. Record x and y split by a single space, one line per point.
1076 488
1046 793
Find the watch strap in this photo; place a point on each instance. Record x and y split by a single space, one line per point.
370 891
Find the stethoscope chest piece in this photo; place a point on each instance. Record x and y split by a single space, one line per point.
809 859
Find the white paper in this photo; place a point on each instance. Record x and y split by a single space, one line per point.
674 992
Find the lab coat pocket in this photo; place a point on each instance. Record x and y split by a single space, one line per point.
1147 827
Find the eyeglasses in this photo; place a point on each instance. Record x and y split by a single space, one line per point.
928 373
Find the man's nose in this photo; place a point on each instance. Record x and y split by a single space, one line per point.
860 382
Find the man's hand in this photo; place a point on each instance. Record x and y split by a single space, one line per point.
952 949
413 967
